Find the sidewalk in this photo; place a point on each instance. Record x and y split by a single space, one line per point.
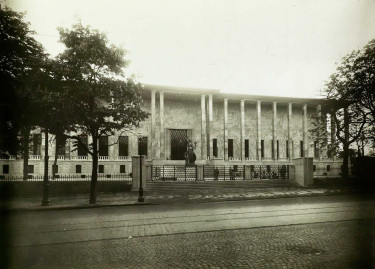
170 197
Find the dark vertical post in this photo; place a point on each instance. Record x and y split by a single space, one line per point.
140 196
45 201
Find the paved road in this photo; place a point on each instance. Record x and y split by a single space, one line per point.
322 232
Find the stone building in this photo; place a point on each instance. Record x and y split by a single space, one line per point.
229 129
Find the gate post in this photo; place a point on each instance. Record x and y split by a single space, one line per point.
136 173
303 168
199 172
247 172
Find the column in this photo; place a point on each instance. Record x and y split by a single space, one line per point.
274 138
210 119
226 129
259 131
203 129
242 135
333 136
290 147
319 115
162 132
153 129
304 131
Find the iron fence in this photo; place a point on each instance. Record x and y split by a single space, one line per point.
67 184
223 172
174 172
269 172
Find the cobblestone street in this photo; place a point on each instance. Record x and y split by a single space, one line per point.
346 244
302 232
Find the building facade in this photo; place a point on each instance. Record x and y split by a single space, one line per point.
228 129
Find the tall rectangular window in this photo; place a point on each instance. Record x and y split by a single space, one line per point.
277 150
262 148
230 148
78 168
214 147
30 169
82 151
37 144
103 146
60 143
55 169
316 149
122 168
246 148
101 168
301 148
5 168
287 148
123 146
273 149
142 146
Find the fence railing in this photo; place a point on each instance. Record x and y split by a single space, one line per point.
269 171
174 172
66 184
223 172
70 177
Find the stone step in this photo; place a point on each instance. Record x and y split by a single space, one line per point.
184 185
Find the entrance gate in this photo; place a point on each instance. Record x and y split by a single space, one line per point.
178 144
219 172
174 172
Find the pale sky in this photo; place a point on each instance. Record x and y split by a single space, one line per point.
268 47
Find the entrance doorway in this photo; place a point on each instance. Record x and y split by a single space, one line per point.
178 144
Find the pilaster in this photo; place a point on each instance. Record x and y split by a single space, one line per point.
162 131
203 129
210 119
274 136
153 129
304 131
242 135
226 129
290 146
259 131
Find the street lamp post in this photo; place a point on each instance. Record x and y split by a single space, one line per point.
141 199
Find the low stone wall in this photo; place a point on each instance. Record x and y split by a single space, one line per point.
35 188
64 166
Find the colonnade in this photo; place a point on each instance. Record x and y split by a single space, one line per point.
207 121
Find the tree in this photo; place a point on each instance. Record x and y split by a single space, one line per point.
21 61
96 98
350 96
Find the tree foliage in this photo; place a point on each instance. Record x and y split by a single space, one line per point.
350 96
97 100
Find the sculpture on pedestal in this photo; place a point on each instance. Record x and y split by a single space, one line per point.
190 156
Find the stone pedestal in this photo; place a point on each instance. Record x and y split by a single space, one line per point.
247 172
303 171
200 173
136 173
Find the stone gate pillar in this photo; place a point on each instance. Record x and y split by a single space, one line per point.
136 166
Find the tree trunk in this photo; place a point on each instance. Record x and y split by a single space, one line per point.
25 152
94 173
45 200
345 165
55 161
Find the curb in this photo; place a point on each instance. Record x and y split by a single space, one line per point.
235 199
62 208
